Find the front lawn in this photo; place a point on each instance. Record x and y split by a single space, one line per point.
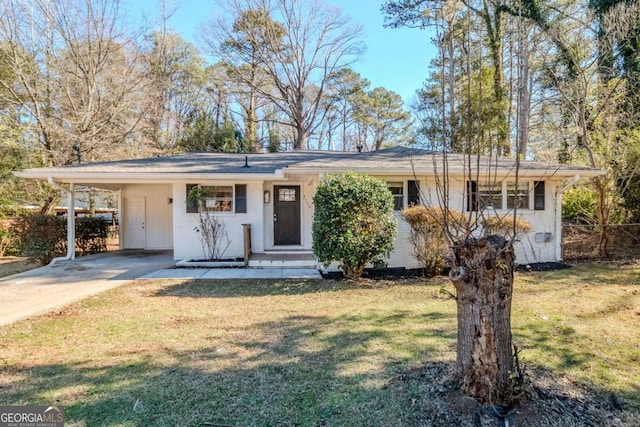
313 353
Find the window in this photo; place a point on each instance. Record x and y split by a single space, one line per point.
413 190
286 194
217 198
397 190
505 195
517 197
538 195
490 195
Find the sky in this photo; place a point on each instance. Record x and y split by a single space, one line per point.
396 59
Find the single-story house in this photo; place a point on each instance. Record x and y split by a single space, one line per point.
273 193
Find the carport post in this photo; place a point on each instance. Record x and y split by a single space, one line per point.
71 221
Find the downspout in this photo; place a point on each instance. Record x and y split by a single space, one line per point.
558 216
71 221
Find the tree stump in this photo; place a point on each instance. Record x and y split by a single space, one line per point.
482 274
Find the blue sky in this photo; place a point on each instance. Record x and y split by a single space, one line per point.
396 59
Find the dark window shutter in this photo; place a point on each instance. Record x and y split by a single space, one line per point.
538 195
241 198
414 192
192 205
472 196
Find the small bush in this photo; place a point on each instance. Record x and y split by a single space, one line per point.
503 225
427 236
91 235
213 235
7 246
41 237
353 222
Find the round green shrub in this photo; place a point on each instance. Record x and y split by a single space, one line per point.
353 222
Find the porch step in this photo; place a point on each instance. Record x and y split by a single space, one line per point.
283 259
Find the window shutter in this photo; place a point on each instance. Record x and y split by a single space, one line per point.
538 195
192 205
414 192
241 198
472 196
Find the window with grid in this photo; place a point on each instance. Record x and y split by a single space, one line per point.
517 197
489 195
218 198
397 190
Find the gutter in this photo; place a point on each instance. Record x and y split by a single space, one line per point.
558 216
141 178
71 223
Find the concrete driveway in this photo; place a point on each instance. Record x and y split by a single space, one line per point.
47 288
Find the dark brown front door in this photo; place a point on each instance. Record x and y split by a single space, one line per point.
286 215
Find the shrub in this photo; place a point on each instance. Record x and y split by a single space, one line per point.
91 235
580 205
427 236
503 225
6 242
353 222
41 237
213 235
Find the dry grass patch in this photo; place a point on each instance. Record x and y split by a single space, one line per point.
310 352
15 265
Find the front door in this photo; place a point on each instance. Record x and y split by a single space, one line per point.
134 227
286 215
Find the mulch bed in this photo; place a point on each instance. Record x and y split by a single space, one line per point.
548 402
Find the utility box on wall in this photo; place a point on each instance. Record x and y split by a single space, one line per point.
543 237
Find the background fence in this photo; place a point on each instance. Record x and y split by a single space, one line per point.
580 242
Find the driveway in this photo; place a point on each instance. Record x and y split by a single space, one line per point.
47 288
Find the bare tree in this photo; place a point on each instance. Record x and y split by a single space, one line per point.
78 81
297 45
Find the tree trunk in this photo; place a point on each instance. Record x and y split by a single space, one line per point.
482 274
603 218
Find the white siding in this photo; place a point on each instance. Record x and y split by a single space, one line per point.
527 249
187 245
260 216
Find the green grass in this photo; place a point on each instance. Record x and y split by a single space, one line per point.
283 353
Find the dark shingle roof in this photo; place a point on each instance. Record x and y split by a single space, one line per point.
196 163
392 160
398 159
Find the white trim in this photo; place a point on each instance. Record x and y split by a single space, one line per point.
79 177
71 221
497 174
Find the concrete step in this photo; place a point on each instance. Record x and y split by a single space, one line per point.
281 259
